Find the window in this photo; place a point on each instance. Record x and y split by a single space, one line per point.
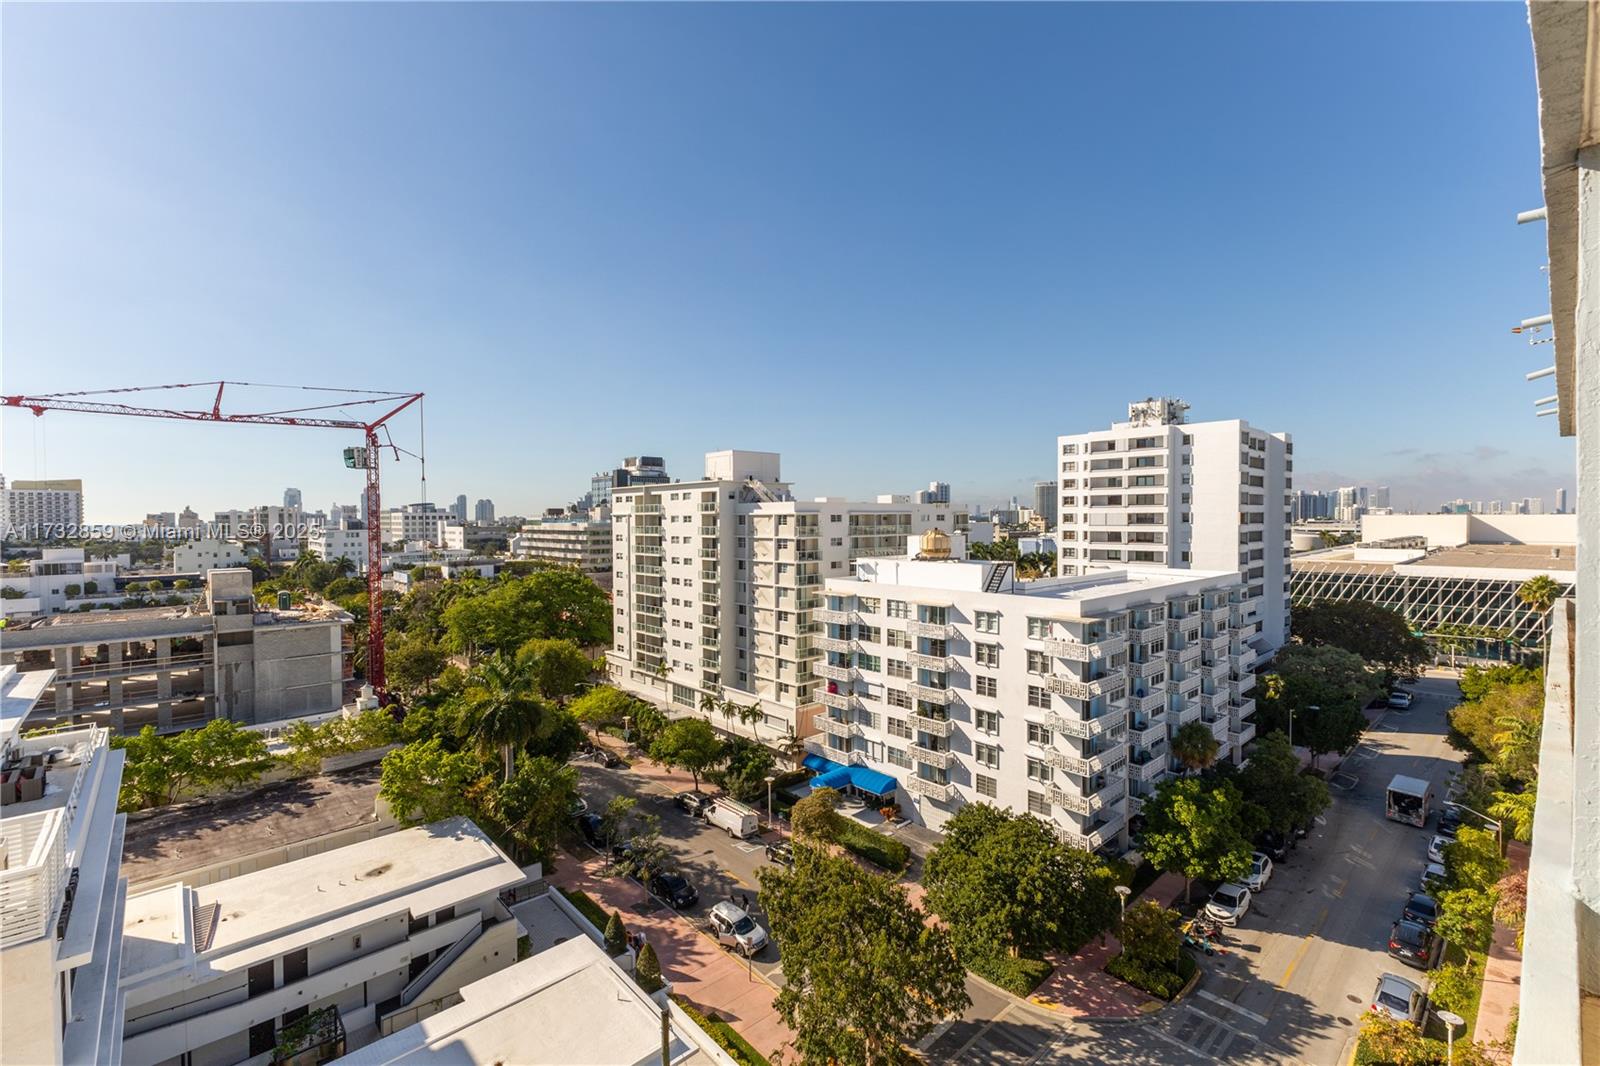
896 638
986 655
1038 628
986 786
1038 662
986 721
899 669
898 727
1038 803
986 755
895 697
898 758
1038 697
899 609
868 662
1038 734
986 622
986 686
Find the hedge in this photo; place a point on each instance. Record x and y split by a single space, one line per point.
1162 983
727 1039
588 908
876 848
1019 976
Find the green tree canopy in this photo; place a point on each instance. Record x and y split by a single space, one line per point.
158 768
744 769
1325 729
1006 882
424 782
1305 676
556 667
1199 828
1480 726
1273 782
865 974
688 744
812 817
558 604
1150 935
1477 681
535 806
1378 634
603 706
1195 745
499 710
411 662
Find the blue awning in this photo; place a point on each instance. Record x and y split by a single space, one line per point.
838 777
818 763
871 781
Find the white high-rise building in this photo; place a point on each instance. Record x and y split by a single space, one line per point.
948 682
715 580
39 509
292 499
1159 491
1561 501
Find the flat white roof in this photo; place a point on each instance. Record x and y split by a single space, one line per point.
1085 594
569 1005
20 690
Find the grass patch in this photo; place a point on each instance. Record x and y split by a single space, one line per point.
1161 983
588 908
1019 976
1455 955
886 852
738 1049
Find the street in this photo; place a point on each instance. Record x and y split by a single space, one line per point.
1298 971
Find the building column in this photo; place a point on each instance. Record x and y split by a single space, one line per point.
65 659
114 684
164 670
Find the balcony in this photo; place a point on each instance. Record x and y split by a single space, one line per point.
842 701
1189 712
1217 671
835 728
1218 616
1243 735
833 673
708 553
934 727
816 746
1083 766
838 618
1187 658
834 644
939 663
708 508
647 508
1218 646
1219 728
1073 689
1188 688
1152 732
1149 631
942 696
943 758
1083 653
1153 768
1239 710
1078 803
1245 683
1133 804
1081 728
646 568
931 630
934 790
1096 837
1147 668
709 619
1150 703
647 627
1242 659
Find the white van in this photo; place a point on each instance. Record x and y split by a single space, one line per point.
740 821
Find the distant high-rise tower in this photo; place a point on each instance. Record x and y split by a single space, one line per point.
1044 502
1561 501
459 508
936 492
483 513
1380 496
291 499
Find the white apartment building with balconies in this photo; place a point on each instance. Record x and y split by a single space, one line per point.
715 581
332 542
61 896
1057 697
578 543
1157 490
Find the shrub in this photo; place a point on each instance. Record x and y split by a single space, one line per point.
738 1049
890 854
587 907
1156 980
616 935
1455 988
647 969
1018 975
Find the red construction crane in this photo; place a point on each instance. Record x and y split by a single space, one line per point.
364 457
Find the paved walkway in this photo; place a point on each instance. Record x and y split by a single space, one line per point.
697 967
1502 973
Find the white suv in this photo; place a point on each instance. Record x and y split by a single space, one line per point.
734 928
1228 904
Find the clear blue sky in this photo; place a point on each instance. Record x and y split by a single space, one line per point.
894 243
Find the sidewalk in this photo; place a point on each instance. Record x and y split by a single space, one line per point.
698 969
1502 973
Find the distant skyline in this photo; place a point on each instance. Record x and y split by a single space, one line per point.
894 243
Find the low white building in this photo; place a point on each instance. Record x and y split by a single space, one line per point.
62 913
62 579
203 555
949 682
334 542
422 522
567 542
213 975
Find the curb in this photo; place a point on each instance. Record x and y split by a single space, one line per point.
1056 1010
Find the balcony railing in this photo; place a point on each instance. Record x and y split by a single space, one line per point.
931 694
1073 689
1218 616
842 618
1150 631
1189 712
1147 668
1083 766
1151 732
834 644
934 727
1151 769
935 790
1081 728
1243 735
931 630
1149 703
943 758
1082 653
1078 803
833 673
939 663
835 728
1239 710
839 700
1245 683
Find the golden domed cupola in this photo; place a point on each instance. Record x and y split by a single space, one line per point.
935 545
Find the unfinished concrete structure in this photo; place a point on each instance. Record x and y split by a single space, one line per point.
179 667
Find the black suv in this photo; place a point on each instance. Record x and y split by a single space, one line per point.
781 852
1420 908
1414 944
693 803
675 889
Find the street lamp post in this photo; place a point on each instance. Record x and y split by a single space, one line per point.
770 780
1450 1022
1492 821
1123 892
626 734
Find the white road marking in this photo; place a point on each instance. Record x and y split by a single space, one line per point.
1213 997
1214 1020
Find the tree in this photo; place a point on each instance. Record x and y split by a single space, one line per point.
1539 592
1466 917
1273 782
411 662
424 782
558 604
1006 882
1150 935
604 706
535 806
221 755
1477 681
616 818
744 770
557 667
498 709
616 935
1478 726
148 770
812 816
1334 728
1199 829
865 973
1473 859
1303 677
1378 634
647 969
1515 810
688 744
1195 746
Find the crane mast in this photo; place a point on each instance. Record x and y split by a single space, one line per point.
384 405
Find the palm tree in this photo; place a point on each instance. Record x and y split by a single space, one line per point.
1516 810
1195 746
708 702
1517 743
1540 593
343 567
500 709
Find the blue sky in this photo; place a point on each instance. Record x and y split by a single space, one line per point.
894 243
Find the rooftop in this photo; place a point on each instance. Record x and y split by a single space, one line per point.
1512 560
569 1004
179 839
19 692
1087 592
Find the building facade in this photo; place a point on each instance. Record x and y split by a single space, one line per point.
635 470
715 582
201 556
568 542
1057 697
334 542
1157 490
422 522
31 509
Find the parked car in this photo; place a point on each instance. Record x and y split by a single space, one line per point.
1275 845
1449 820
675 889
1436 848
580 806
1400 700
1432 878
1260 872
1421 907
736 929
694 803
591 826
781 852
1400 999
1415 944
1228 904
